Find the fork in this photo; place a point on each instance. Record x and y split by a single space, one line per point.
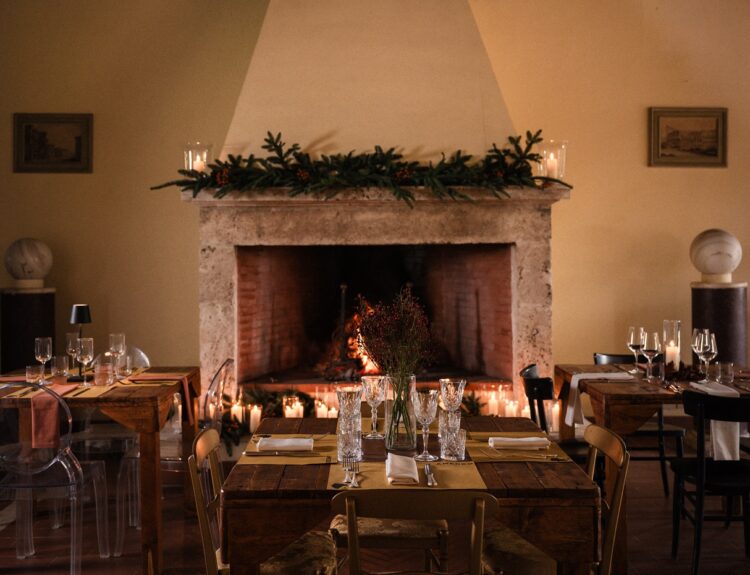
355 469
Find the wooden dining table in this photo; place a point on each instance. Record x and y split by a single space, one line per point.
553 505
622 406
144 410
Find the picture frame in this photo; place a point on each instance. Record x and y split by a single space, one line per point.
53 143
688 137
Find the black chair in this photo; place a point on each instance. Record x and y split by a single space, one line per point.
722 478
656 428
538 389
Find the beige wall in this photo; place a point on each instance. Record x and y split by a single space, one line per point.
156 74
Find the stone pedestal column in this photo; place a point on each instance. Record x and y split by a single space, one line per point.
722 308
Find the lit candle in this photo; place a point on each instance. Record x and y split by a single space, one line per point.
321 409
526 412
289 411
199 164
254 417
555 419
237 411
510 408
299 409
552 165
492 405
333 413
672 354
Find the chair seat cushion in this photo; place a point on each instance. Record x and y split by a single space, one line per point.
507 552
312 554
720 475
370 527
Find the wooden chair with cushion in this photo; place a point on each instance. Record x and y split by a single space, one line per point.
314 552
655 428
410 505
507 553
710 478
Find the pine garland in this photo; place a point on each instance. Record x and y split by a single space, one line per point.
289 167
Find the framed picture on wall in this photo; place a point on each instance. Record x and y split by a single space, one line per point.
687 137
53 143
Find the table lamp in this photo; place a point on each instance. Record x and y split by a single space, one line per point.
79 314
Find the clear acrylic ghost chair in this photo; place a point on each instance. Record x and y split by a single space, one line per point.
27 471
172 460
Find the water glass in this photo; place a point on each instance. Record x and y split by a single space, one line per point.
453 445
726 372
104 374
124 366
60 366
452 393
35 374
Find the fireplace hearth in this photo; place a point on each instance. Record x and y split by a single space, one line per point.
271 268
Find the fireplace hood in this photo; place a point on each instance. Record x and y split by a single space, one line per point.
341 75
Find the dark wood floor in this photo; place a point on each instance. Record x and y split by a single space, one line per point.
649 539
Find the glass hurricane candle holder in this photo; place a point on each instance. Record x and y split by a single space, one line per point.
552 159
197 156
671 342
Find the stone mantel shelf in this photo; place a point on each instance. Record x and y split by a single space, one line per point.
279 197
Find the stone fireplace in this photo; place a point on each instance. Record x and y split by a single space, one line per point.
271 267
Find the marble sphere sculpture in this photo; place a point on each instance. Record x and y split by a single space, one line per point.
28 261
716 254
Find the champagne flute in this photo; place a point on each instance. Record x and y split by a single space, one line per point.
43 351
635 344
373 391
651 348
425 409
452 393
85 354
71 344
116 348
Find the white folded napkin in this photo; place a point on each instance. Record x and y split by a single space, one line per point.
525 443
725 435
285 444
401 470
574 414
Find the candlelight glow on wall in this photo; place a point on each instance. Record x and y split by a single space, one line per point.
197 156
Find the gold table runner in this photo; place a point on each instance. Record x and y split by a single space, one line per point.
324 446
462 475
478 448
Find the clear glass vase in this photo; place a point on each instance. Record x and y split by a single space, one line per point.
400 423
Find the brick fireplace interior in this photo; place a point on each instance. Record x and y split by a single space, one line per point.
288 304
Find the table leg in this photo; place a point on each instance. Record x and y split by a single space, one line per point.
151 511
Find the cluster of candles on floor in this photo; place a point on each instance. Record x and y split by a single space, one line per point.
499 401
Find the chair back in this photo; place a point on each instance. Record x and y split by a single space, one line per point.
206 478
411 504
538 389
23 452
607 358
613 447
213 405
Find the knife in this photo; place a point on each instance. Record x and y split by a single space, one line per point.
282 453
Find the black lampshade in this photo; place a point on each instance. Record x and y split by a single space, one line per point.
81 313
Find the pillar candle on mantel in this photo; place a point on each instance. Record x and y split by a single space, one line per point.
333 413
554 425
254 415
321 409
493 405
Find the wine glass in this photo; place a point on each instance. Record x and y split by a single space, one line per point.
707 349
71 344
651 348
635 343
452 393
43 351
373 391
425 409
116 348
85 353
